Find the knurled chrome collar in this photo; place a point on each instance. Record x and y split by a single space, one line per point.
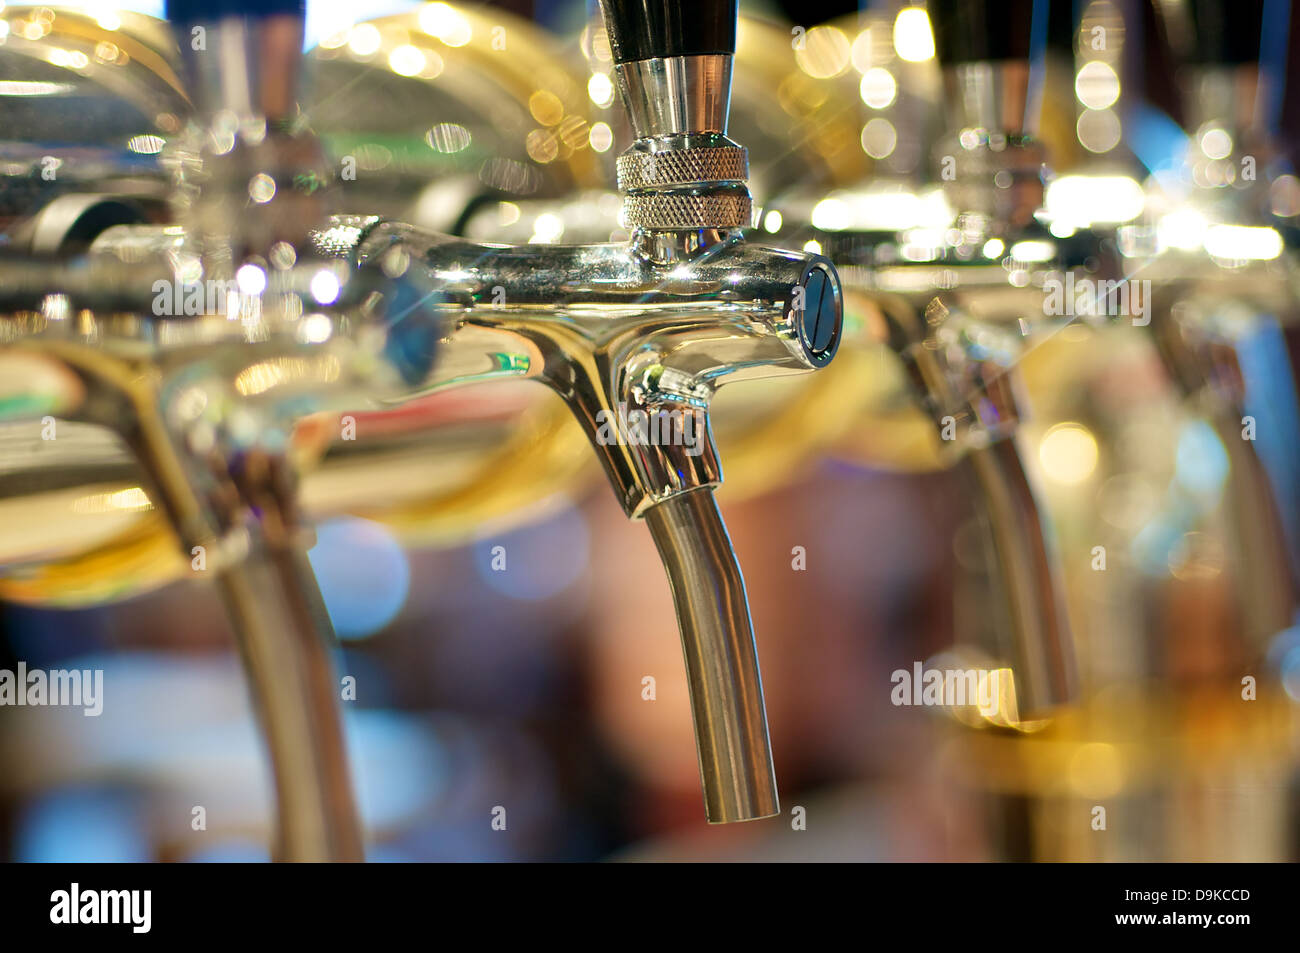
674 211
684 188
692 166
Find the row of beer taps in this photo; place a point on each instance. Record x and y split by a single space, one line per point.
220 321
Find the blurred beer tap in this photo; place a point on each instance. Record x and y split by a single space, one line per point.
1224 283
443 115
1181 280
91 96
966 368
636 336
451 471
953 290
1148 285
201 344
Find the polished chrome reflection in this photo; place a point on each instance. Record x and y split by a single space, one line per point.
678 94
614 333
721 657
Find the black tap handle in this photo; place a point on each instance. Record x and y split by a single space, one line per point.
1062 28
651 29
973 31
1227 34
271 60
208 11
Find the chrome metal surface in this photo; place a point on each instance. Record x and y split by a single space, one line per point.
105 100
684 183
275 606
634 337
992 96
1036 638
991 165
1165 653
454 130
1208 309
1203 314
281 628
677 95
685 166
210 474
616 334
242 164
960 330
951 313
246 71
685 211
636 347
721 658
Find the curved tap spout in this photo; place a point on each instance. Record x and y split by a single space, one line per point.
721 664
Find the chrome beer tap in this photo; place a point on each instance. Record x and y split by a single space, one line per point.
1164 664
1222 275
958 299
962 355
636 337
994 182
206 396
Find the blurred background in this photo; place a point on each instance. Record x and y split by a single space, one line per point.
512 639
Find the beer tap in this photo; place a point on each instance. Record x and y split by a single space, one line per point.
958 304
1158 694
1221 275
205 397
494 464
636 336
995 185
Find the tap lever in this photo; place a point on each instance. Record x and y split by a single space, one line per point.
994 99
659 29
673 64
248 58
976 31
1226 34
